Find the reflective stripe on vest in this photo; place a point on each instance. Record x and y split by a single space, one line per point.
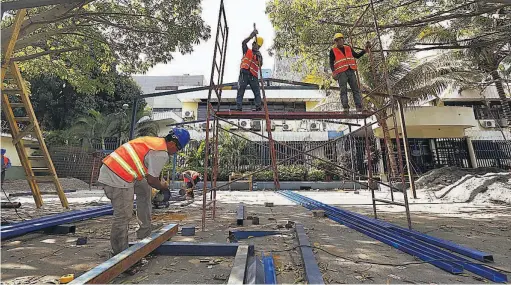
127 161
249 62
342 62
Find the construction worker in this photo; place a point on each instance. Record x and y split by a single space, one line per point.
134 168
249 71
6 163
191 178
344 65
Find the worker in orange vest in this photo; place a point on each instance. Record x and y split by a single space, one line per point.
249 71
6 163
344 65
134 168
191 178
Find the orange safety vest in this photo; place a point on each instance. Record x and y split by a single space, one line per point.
194 174
127 161
249 62
342 61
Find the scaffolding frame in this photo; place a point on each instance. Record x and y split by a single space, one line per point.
394 106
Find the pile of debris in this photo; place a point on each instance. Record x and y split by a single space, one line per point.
482 185
437 179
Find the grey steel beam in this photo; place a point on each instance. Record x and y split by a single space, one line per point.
198 249
108 270
239 268
310 264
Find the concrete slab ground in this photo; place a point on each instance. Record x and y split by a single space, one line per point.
344 255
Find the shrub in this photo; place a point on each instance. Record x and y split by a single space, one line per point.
315 174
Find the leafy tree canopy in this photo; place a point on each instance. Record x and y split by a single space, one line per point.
77 39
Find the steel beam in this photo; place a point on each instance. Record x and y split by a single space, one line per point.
270 277
116 265
405 242
237 235
241 215
239 268
198 249
310 264
255 270
291 115
46 222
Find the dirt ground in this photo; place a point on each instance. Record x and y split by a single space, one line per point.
41 258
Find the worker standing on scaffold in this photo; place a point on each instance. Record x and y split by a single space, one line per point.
249 71
344 65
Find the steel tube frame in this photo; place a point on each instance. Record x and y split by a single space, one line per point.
307 153
107 271
209 111
357 220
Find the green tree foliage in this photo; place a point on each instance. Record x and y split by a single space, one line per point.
58 104
78 39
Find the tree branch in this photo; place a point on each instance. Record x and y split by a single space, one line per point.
48 52
418 23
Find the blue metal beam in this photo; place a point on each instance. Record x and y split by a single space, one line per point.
105 272
381 232
310 264
270 277
54 217
46 223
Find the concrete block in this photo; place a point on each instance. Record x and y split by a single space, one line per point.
255 220
188 231
318 213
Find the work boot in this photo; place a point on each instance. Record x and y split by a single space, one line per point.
257 109
346 110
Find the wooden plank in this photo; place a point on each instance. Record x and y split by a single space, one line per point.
108 270
239 267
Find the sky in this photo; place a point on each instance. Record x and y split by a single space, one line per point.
241 16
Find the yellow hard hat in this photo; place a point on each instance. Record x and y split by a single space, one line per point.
338 35
259 41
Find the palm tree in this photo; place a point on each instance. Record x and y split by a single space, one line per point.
93 127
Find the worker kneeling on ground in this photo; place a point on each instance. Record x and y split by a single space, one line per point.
134 168
249 71
191 178
344 65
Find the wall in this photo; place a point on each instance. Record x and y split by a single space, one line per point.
191 106
16 171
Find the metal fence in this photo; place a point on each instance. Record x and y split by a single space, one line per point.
493 153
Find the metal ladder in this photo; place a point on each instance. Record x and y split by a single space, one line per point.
16 101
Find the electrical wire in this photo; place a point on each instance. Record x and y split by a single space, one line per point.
392 264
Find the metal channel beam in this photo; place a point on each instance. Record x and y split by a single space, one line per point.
448 261
270 277
198 249
310 264
255 270
240 215
389 202
116 265
239 268
237 235
13 230
291 115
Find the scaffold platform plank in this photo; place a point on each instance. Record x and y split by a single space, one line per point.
292 115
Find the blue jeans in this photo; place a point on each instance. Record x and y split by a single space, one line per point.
349 77
248 79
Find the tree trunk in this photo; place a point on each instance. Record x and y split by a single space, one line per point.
502 96
382 121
